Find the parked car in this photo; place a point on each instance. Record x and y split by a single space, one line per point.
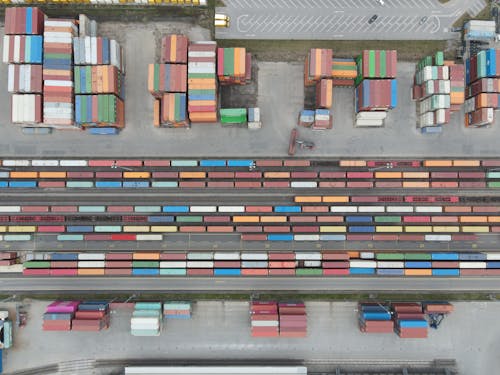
373 18
423 20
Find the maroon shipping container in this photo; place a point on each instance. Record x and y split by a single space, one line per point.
119 256
281 256
15 21
174 49
282 272
336 272
118 264
118 271
269 163
444 264
63 264
265 317
412 333
324 93
8 255
200 272
336 264
331 255
90 314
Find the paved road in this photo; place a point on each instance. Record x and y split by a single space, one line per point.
16 284
343 19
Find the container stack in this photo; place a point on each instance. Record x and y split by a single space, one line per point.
264 319
376 87
324 93
58 315
322 119
202 82
437 307
318 65
306 118
409 320
432 91
479 30
375 317
167 82
91 316
8 258
254 118
344 71
146 319
234 66
177 310
481 72
58 99
233 116
293 319
22 44
99 80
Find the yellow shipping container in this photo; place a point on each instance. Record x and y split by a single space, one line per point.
273 219
415 184
192 174
466 163
475 229
332 229
21 228
446 229
146 256
136 228
307 199
52 174
336 199
388 228
163 228
23 174
352 163
90 271
415 174
473 219
418 228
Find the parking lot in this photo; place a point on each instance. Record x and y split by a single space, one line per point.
221 330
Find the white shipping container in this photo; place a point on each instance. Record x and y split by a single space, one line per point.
59 34
308 256
149 237
303 184
58 83
371 209
200 264
203 209
312 263
254 264
60 23
203 69
197 65
471 265
399 208
145 326
470 105
440 116
493 256
10 77
363 264
253 125
306 237
368 123
428 209
91 256
11 208
371 115
438 237
220 255
390 264
44 163
265 323
93 50
231 208
201 54
172 264
366 255
73 163
56 111
17 48
426 119
57 105
344 209
6 45
87 49
200 256
254 256
91 264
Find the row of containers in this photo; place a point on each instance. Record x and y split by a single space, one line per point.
90 316
482 72
438 88
406 319
249 117
373 73
148 317
185 83
326 263
53 64
278 319
115 2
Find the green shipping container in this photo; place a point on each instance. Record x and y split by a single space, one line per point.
146 313
308 272
233 115
189 219
145 264
494 184
389 256
88 79
36 264
228 61
147 306
78 88
387 219
173 272
439 58
418 256
201 75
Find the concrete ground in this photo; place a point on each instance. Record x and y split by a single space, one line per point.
220 330
280 96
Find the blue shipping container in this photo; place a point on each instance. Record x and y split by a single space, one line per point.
361 271
63 256
136 184
79 228
359 219
161 219
108 184
472 256
280 237
413 323
103 131
175 209
4 184
145 271
332 237
431 130
212 163
361 229
492 264
418 264
22 184
376 315
239 163
394 93
444 256
227 272
445 272
287 209
390 272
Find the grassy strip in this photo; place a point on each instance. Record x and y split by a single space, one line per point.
473 296
482 15
296 50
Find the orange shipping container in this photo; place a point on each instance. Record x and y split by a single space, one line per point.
418 272
146 256
156 112
90 271
438 163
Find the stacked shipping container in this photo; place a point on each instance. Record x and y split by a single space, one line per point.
318 64
202 82
8 258
481 72
58 100
376 86
231 116
374 317
167 82
23 45
264 319
146 319
99 79
344 71
58 315
410 321
177 310
438 87
254 118
234 66
293 319
91 316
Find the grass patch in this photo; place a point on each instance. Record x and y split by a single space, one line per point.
296 50
482 15
473 296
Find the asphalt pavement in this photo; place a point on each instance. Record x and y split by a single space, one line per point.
17 284
343 19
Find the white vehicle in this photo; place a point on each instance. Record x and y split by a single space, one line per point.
381 2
